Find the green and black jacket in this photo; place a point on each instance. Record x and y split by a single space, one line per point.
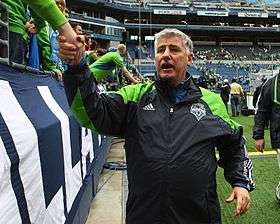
170 147
268 109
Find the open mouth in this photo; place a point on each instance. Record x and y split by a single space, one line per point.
167 66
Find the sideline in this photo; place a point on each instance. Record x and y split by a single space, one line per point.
265 153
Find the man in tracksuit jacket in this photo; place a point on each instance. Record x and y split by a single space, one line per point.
171 128
268 110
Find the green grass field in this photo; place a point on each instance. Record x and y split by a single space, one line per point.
265 209
247 123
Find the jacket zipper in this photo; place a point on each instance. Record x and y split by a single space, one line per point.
167 169
171 111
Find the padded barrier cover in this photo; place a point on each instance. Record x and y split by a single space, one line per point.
49 166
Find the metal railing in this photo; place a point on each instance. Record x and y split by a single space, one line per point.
4 34
4 45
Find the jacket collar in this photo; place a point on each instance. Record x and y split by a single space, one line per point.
192 90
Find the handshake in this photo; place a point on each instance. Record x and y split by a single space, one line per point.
71 52
71 45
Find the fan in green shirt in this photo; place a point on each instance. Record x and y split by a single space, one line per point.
48 10
104 66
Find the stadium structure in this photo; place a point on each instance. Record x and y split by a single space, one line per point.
231 38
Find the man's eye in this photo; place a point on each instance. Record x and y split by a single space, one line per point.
175 49
160 50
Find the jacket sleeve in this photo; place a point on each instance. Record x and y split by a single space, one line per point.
49 11
231 145
39 22
256 95
234 159
100 112
45 50
263 109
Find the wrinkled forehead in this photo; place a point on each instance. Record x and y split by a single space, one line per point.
169 38
170 41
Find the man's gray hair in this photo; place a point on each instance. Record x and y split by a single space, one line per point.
175 33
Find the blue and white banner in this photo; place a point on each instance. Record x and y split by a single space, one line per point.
43 152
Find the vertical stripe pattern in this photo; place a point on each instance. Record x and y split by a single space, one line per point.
24 155
72 185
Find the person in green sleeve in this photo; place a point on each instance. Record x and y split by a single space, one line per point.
45 53
17 32
104 66
45 48
49 11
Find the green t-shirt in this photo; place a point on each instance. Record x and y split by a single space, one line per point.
17 16
104 66
47 10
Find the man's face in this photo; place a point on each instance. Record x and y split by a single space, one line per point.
172 59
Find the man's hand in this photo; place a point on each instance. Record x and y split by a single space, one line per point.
260 144
243 200
71 53
129 76
133 80
72 45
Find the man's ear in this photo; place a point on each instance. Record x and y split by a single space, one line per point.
190 59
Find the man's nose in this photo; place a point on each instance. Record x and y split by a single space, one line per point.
166 54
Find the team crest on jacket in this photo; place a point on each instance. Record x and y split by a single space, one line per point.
198 110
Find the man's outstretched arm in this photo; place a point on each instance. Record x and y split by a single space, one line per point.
49 11
128 75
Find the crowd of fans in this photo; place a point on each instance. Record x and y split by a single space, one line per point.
34 43
249 53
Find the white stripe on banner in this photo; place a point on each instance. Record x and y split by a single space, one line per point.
9 212
87 148
55 210
90 145
73 177
26 142
99 140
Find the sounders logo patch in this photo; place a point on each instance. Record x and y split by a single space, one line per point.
198 110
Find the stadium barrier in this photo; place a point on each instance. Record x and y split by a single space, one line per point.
49 166
4 34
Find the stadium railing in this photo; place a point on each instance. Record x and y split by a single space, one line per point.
4 34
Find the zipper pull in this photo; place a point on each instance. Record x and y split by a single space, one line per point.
171 110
